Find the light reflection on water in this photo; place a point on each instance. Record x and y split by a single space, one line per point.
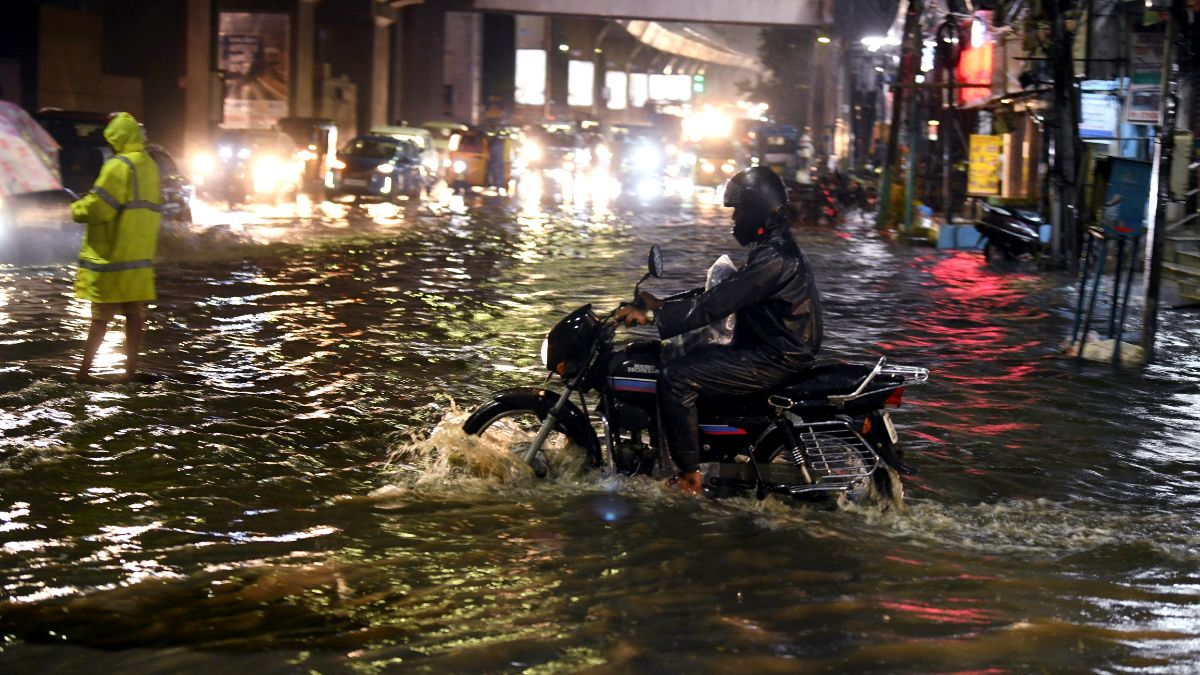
242 512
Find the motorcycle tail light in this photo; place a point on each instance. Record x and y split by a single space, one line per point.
894 400
561 368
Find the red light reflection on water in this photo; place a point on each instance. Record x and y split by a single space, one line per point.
970 315
964 615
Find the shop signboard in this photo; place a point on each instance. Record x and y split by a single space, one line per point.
1145 80
983 169
1099 110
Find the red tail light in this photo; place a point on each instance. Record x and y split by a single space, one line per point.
894 400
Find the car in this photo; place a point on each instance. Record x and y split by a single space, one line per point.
377 166
424 142
251 165
82 148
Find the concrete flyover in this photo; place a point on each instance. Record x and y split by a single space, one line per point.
758 12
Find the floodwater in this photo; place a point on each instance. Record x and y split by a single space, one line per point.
241 515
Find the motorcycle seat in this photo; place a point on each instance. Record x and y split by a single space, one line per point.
824 380
815 384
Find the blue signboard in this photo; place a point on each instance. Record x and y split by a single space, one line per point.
1126 195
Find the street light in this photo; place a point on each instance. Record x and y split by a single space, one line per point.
824 39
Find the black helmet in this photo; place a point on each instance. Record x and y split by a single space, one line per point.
755 194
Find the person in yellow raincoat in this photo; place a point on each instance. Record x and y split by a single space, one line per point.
121 215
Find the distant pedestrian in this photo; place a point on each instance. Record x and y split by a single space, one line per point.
121 215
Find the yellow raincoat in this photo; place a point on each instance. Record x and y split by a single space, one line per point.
121 213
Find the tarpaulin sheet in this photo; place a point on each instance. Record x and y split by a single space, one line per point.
28 155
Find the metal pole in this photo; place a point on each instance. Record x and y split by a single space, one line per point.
910 180
1125 300
1089 255
911 37
1087 318
1160 187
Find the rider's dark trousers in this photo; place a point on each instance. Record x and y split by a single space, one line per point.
716 371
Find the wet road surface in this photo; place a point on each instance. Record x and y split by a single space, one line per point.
241 514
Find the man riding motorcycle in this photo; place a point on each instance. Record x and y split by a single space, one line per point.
778 328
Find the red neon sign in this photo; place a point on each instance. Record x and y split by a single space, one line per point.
975 67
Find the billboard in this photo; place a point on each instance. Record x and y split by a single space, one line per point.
253 58
983 168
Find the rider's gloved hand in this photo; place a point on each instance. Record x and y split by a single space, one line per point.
632 316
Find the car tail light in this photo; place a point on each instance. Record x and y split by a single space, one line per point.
896 397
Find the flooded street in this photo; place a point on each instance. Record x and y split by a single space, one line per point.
241 515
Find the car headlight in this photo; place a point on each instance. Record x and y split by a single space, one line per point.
385 168
243 153
727 167
545 352
706 167
460 166
531 151
268 174
225 151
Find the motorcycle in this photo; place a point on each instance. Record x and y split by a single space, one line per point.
824 433
1010 234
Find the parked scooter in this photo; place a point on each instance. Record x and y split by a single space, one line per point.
1011 234
825 432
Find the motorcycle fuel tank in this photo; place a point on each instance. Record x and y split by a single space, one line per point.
633 373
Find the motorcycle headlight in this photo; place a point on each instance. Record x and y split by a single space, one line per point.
243 153
546 352
225 151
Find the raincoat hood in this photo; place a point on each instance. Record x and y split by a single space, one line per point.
124 133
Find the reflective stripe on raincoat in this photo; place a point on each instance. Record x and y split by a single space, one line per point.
121 213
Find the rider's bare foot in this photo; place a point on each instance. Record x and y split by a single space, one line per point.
689 483
83 377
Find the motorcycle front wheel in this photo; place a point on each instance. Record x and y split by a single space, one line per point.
512 429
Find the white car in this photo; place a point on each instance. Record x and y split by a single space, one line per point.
424 142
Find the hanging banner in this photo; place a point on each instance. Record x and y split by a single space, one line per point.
1145 80
254 65
983 169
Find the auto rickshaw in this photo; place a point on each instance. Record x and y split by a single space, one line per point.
316 139
481 158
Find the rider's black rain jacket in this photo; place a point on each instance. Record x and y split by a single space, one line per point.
776 300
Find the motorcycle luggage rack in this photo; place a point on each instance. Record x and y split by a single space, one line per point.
838 456
911 375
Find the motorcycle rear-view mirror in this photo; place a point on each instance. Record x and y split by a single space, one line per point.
654 261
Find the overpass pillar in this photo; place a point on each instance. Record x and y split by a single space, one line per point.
462 66
304 76
380 77
203 91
